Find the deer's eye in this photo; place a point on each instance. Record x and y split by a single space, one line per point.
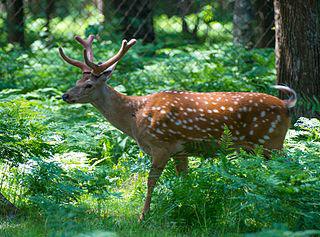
88 86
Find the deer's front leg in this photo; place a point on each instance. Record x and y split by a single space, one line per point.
158 164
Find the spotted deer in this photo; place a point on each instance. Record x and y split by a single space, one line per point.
162 123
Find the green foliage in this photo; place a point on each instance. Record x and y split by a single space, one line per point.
48 181
21 133
204 68
208 149
73 173
244 194
308 129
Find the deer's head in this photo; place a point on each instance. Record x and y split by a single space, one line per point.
94 75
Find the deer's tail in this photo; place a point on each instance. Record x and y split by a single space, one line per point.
291 102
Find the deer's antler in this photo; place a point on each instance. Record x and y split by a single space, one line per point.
87 44
98 69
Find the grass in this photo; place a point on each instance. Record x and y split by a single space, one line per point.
219 197
90 217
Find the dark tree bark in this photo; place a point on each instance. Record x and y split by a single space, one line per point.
107 10
264 17
186 7
137 19
6 207
49 11
15 21
243 21
253 22
298 51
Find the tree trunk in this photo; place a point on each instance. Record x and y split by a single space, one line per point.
243 21
105 11
298 52
137 21
184 9
6 207
264 15
49 11
15 21
109 10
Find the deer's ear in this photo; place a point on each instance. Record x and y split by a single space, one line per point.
106 75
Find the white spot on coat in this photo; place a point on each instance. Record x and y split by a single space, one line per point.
178 122
266 137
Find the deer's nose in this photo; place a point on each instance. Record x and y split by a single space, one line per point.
65 97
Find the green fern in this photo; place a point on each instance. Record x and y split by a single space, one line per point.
226 142
209 148
310 103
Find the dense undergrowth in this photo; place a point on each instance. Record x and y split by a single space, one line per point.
72 174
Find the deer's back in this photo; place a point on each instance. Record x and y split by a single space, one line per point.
253 118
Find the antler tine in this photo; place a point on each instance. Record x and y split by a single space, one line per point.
87 44
130 44
90 64
97 69
74 62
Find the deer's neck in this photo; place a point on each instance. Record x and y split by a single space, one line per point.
117 108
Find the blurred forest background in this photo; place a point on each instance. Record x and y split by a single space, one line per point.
65 171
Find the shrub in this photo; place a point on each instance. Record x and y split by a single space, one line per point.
21 132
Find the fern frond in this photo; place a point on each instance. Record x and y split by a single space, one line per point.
226 142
